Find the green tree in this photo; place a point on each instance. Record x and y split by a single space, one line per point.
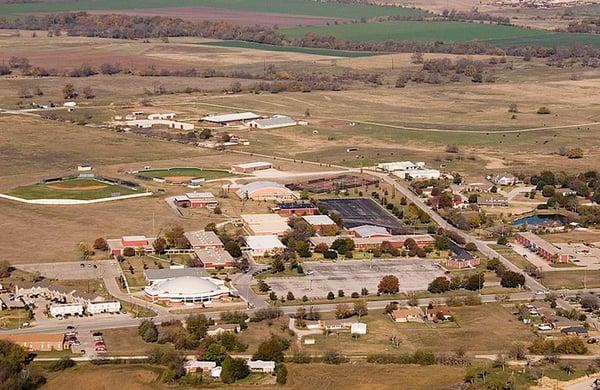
512 279
281 374
272 349
5 269
439 285
234 369
475 282
233 248
215 352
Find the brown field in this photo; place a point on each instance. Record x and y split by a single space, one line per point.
361 376
244 18
470 333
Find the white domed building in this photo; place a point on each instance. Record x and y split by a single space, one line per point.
187 289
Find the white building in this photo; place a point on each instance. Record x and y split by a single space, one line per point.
261 245
163 115
265 366
275 122
225 119
193 366
358 328
187 289
66 309
403 169
103 307
216 372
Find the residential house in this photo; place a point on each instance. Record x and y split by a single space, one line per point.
264 366
218 329
407 314
437 313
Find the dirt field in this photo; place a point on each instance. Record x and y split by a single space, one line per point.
237 17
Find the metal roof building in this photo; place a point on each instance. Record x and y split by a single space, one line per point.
274 122
155 275
225 118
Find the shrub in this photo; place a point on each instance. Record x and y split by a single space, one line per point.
333 357
543 110
62 364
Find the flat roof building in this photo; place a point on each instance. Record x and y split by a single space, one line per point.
318 220
116 246
364 243
275 122
369 231
267 366
203 239
196 199
265 190
227 118
214 258
41 342
265 224
261 245
251 167
293 208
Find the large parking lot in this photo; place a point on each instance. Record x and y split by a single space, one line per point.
352 275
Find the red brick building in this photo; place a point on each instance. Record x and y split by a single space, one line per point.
543 248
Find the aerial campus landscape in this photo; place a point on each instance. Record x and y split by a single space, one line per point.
300 194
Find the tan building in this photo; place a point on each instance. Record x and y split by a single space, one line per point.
265 190
265 224
39 342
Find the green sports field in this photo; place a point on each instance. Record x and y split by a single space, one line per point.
293 49
422 31
207 174
293 7
81 189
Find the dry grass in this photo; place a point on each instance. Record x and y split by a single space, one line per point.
471 333
125 342
312 376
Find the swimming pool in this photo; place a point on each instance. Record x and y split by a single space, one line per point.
539 220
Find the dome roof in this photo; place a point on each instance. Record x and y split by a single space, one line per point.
187 285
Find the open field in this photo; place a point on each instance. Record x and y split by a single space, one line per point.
360 376
125 342
305 50
14 318
293 7
472 332
571 279
446 32
84 189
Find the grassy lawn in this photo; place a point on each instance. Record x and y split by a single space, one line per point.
571 279
513 256
478 329
446 32
208 174
258 332
292 49
13 319
83 189
294 7
138 264
125 341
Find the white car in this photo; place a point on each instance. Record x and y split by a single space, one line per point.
544 327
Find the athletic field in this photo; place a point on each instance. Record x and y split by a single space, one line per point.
80 189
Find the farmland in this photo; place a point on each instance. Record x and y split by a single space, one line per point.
425 31
294 7
291 49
